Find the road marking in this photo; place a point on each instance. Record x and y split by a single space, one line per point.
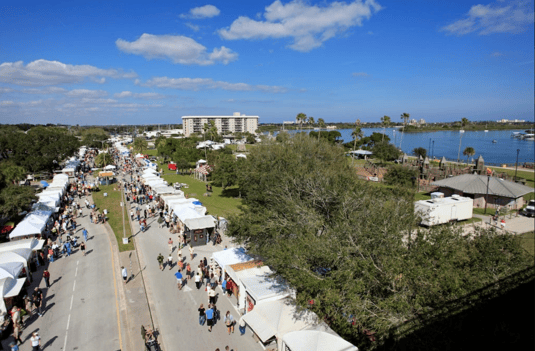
68 322
74 286
77 262
72 298
116 298
65 343
76 273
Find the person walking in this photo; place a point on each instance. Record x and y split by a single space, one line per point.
38 300
198 281
210 317
241 325
178 276
229 322
36 341
170 244
202 314
191 253
132 214
82 247
170 261
179 254
84 232
160 261
124 273
46 276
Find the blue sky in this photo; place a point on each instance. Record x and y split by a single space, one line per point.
136 62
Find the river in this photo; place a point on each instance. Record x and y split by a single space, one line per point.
446 143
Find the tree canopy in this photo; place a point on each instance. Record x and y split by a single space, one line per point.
346 246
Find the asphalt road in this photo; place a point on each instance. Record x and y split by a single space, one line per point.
175 311
80 312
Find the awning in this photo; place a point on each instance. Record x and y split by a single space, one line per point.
314 340
231 256
9 287
264 286
200 223
16 255
106 174
279 317
10 269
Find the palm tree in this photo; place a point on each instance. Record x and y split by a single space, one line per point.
385 120
464 121
311 121
321 124
468 152
301 117
405 117
357 135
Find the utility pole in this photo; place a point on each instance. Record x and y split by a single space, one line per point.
460 139
516 165
433 154
487 196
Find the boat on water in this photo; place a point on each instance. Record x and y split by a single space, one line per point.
494 141
486 130
461 131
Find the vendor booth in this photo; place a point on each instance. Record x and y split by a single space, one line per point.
33 244
106 178
237 272
198 229
314 340
10 270
269 321
9 288
228 257
263 287
27 228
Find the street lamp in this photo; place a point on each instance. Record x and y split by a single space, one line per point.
433 154
516 165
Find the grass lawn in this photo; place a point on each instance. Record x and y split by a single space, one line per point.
422 196
221 203
529 176
528 242
112 203
151 152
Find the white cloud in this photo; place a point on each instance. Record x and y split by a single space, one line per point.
496 54
359 74
5 90
514 17
44 91
197 84
7 103
86 93
206 11
177 48
145 96
192 26
43 72
309 26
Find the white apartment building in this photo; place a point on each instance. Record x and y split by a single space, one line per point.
225 124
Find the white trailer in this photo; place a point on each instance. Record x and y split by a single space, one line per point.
443 210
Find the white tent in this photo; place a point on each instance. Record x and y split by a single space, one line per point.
110 167
10 269
264 287
200 223
16 255
183 213
26 227
149 170
314 340
33 244
9 287
54 194
230 256
276 318
62 177
49 201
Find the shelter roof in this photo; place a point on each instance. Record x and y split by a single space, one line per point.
477 184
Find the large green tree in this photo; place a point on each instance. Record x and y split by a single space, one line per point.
15 199
346 246
140 144
103 159
469 152
385 151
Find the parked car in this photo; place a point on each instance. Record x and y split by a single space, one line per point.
529 211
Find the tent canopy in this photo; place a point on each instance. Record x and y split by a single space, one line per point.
264 286
16 255
27 228
33 244
10 269
200 223
231 256
315 340
279 317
